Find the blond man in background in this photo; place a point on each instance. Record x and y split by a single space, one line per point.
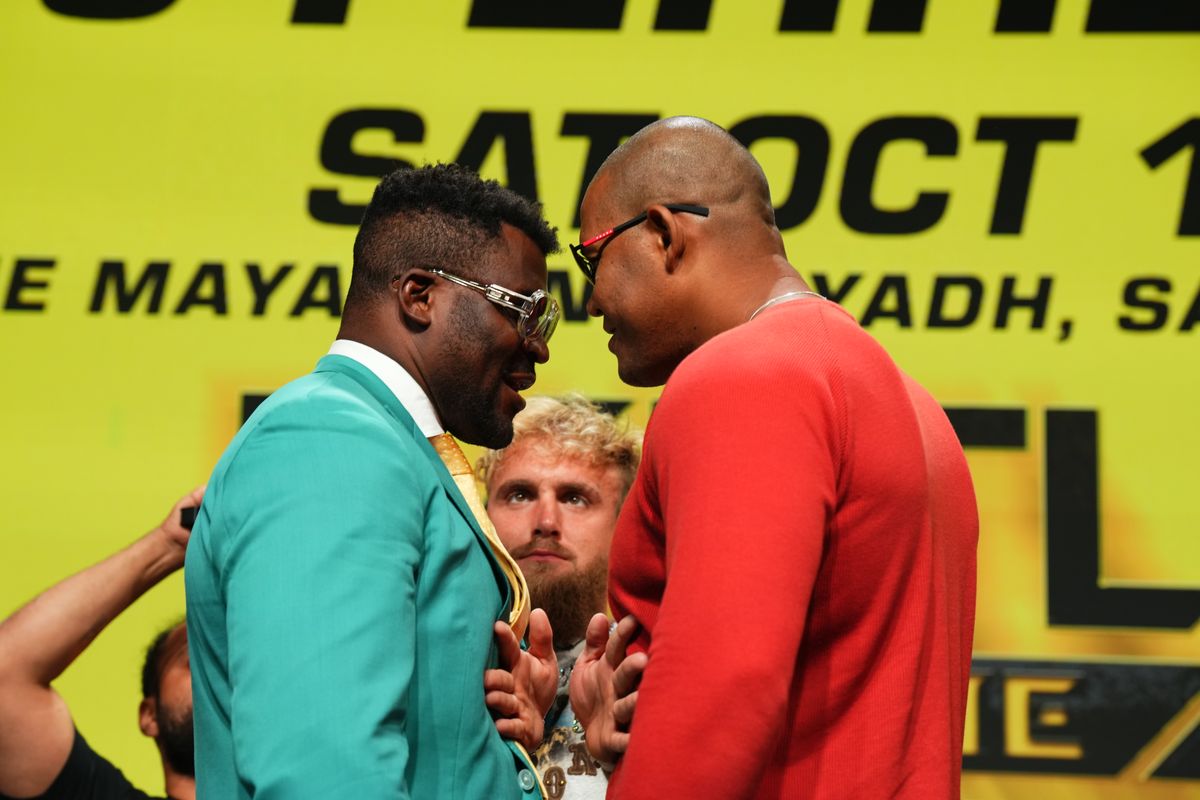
554 495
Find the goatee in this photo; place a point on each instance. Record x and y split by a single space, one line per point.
570 600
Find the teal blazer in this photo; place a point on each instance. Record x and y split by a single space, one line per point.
340 602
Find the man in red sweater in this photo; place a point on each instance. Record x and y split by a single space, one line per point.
799 545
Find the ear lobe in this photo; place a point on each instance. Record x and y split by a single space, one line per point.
414 291
148 717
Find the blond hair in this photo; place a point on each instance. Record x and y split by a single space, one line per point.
573 426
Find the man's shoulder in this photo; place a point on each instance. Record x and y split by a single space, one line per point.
322 403
797 341
328 427
319 391
89 776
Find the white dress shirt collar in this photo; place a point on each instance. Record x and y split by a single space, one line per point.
397 379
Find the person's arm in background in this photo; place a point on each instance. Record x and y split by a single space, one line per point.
46 635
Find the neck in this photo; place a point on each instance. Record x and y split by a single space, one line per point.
367 331
783 283
178 787
758 284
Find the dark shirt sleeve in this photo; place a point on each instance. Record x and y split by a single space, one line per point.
87 776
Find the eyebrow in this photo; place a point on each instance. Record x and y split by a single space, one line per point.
578 488
513 483
529 486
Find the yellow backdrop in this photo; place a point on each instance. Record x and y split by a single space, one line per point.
1005 193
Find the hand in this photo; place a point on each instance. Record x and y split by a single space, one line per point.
626 679
173 533
522 690
604 687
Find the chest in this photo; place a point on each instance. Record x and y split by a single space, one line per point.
460 592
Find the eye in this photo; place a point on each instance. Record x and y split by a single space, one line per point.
575 499
517 496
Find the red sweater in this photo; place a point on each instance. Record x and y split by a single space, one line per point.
799 546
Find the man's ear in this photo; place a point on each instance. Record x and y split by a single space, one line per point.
671 239
414 290
148 717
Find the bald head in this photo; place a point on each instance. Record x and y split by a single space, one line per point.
667 279
689 160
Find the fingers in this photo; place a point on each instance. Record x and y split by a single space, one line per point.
596 637
619 641
587 690
193 498
629 673
543 682
577 690
607 746
503 703
530 735
510 728
541 635
508 646
173 524
623 711
190 500
499 680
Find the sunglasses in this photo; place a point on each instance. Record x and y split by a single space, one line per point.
538 313
589 265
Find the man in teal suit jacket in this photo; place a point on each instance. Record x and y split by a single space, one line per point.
341 595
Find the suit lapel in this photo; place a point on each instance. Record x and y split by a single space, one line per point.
379 390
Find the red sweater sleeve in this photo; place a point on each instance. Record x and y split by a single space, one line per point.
742 463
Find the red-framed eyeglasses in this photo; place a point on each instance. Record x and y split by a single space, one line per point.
589 265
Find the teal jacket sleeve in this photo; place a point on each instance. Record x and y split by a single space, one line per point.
324 521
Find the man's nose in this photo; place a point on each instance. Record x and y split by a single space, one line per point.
593 308
536 346
548 518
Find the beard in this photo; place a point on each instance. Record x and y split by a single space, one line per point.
176 739
471 407
569 600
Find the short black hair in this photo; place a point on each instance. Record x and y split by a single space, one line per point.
438 215
152 665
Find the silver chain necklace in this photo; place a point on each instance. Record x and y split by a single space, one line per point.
782 298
